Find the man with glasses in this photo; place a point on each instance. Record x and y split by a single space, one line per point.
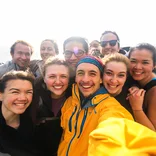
21 52
74 49
110 43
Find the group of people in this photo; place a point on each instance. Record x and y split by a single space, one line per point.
97 100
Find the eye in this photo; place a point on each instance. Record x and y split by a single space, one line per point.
80 73
27 54
50 49
145 62
108 73
14 92
132 61
63 76
92 74
52 76
121 75
30 92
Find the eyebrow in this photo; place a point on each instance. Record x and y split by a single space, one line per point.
19 89
113 71
136 59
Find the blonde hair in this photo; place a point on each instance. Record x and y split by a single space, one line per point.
116 57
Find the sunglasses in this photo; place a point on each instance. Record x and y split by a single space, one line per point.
111 43
78 53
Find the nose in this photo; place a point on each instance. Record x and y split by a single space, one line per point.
138 66
57 80
22 96
85 78
108 45
24 57
114 79
73 57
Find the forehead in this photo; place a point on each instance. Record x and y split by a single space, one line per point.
142 54
86 67
108 37
73 44
22 47
57 69
47 43
18 84
116 66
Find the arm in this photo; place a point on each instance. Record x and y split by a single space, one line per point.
119 137
136 101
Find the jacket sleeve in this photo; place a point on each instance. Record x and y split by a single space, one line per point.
119 136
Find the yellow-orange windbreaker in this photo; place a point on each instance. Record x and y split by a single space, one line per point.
78 122
122 137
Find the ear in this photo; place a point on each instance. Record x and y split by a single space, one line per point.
101 80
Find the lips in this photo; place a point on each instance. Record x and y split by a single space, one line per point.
57 87
20 105
112 86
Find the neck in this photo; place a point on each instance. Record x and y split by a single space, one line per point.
11 118
54 96
146 80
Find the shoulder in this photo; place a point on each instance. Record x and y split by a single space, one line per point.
8 66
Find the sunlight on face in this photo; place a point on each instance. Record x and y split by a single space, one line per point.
115 74
88 78
17 96
57 79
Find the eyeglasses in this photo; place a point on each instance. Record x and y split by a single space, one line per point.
77 53
111 43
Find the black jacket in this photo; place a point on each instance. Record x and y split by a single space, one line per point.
17 142
48 129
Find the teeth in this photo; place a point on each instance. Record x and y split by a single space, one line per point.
86 87
20 104
137 73
57 87
112 86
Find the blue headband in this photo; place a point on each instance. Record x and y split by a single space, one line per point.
92 60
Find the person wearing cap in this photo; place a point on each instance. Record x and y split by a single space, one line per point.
89 105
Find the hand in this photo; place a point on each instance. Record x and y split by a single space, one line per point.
136 99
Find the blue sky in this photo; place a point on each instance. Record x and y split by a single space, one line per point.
36 20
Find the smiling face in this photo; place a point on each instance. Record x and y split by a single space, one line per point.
141 65
114 77
107 49
21 55
56 79
88 78
17 96
47 49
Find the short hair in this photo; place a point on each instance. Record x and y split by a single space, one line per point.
54 43
15 75
116 57
77 39
56 60
112 32
146 46
12 49
94 42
